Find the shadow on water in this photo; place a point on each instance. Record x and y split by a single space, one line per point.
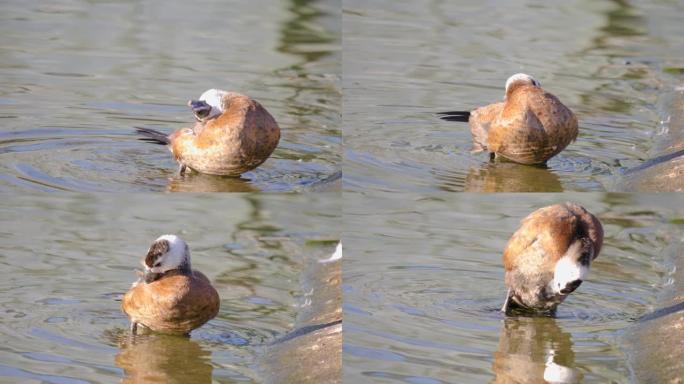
534 350
663 312
317 337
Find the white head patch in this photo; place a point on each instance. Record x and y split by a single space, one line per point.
177 255
214 97
569 268
522 77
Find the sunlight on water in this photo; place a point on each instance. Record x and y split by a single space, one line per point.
405 61
424 284
78 77
69 259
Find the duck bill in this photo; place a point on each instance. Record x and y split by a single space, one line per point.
149 276
200 109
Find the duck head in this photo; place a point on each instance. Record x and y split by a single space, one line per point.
168 253
573 267
209 104
519 79
549 256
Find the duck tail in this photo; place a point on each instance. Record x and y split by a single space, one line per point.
152 136
455 116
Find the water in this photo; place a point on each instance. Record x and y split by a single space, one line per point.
76 77
404 61
423 281
67 260
423 285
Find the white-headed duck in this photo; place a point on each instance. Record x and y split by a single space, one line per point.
170 297
233 134
549 256
529 127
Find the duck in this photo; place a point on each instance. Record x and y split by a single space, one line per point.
549 257
169 296
529 126
233 134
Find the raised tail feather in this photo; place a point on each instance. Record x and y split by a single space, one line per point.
455 115
153 136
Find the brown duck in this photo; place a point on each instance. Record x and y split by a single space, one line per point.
549 256
233 134
529 127
170 297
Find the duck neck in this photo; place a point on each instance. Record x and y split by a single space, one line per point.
183 269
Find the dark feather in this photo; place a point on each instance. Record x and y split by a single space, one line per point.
455 115
153 136
158 248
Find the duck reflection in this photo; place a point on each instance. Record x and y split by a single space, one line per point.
197 182
504 176
157 358
534 350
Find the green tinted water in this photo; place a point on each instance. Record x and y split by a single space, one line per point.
404 61
423 288
77 77
67 260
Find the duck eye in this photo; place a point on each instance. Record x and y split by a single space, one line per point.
157 264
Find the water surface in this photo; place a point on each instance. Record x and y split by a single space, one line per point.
76 77
404 61
423 287
67 260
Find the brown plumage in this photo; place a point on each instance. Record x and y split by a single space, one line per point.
535 276
170 297
234 134
529 127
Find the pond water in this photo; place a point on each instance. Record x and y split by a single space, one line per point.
67 260
76 77
403 61
423 287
